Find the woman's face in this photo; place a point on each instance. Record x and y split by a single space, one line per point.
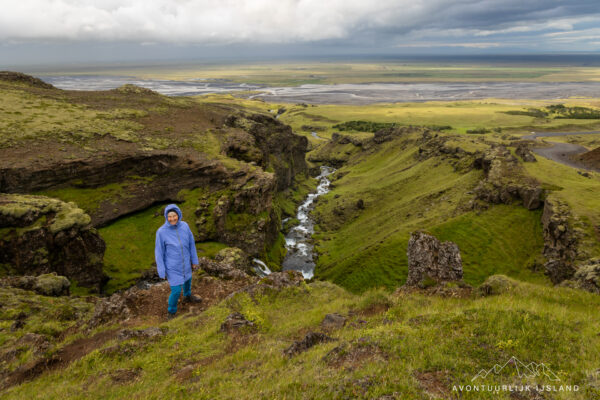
172 217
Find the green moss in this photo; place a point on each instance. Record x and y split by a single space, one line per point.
502 240
130 246
68 217
26 116
275 253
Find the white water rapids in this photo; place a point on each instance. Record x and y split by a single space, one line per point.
298 241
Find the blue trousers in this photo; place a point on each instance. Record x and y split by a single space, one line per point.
176 292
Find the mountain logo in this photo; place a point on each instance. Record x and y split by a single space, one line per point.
523 370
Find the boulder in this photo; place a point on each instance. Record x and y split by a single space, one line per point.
109 309
587 277
221 269
273 281
560 241
235 322
333 321
148 333
496 284
52 285
311 339
236 258
431 262
46 285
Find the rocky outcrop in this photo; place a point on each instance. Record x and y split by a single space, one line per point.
281 149
113 308
159 178
235 257
431 262
505 181
10 76
46 285
236 322
275 281
39 235
495 285
242 215
587 277
311 339
560 241
388 134
591 159
523 151
220 269
333 321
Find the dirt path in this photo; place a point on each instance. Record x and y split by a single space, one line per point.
147 306
563 153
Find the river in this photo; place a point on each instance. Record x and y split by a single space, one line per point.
365 93
298 241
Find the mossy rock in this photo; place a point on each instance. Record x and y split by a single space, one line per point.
496 284
235 257
52 285
23 211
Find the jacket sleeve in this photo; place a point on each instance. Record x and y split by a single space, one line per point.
193 251
159 255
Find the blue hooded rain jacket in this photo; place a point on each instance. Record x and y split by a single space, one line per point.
175 250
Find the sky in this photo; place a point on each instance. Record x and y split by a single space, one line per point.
86 31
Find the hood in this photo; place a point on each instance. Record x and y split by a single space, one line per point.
172 207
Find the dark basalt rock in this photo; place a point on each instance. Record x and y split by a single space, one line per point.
505 181
222 269
311 339
523 151
11 76
236 322
333 321
560 241
432 262
40 235
587 277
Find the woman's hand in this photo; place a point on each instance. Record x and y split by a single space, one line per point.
195 267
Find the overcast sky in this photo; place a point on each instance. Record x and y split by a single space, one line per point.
47 31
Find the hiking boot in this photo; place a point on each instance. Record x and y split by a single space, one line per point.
192 299
170 316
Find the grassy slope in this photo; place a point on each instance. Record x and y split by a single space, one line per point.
365 248
452 338
580 193
461 115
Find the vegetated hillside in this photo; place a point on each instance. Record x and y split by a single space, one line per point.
405 345
471 190
591 158
128 150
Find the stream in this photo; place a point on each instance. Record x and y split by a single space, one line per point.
298 241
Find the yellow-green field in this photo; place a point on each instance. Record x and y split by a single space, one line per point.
293 73
460 115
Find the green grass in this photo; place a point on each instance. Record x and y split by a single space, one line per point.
25 116
88 199
358 249
502 240
580 194
130 247
453 337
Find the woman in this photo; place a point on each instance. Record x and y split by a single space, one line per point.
175 251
